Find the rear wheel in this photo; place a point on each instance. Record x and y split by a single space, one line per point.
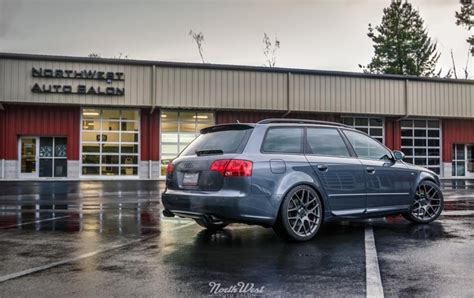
300 214
427 205
210 225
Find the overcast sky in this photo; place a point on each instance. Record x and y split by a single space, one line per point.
315 34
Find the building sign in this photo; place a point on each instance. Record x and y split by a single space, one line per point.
82 89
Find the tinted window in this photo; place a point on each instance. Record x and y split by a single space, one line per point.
327 142
366 147
228 141
283 140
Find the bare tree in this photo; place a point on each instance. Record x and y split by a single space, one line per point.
466 71
453 71
97 55
199 39
270 50
121 56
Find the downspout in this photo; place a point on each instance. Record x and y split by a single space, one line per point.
406 115
2 108
153 105
406 98
288 80
406 101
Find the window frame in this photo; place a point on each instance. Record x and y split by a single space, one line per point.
308 150
391 157
302 143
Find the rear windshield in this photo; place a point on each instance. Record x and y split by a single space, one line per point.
227 141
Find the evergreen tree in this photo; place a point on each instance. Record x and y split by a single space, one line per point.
401 43
465 18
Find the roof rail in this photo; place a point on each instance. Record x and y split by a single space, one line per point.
300 121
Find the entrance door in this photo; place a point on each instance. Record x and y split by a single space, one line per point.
469 161
29 157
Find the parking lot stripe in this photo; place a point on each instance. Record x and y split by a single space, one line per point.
33 222
83 256
373 280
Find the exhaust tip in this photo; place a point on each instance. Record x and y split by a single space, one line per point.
168 213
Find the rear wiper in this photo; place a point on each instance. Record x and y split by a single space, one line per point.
208 152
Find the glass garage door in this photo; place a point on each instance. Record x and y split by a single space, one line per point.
110 142
178 129
421 143
373 126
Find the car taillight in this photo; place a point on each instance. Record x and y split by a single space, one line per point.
219 166
233 167
169 168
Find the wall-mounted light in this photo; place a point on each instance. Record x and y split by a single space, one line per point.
90 113
164 115
201 117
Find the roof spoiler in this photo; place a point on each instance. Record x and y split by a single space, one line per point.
231 126
300 121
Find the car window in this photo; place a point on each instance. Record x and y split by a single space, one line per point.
366 147
227 141
326 142
283 140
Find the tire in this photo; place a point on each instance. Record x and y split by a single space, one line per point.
210 226
427 204
300 215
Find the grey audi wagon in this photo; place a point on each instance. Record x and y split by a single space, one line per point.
293 175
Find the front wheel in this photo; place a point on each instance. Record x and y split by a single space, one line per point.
300 215
427 205
211 226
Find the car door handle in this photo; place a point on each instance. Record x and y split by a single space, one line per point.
323 168
370 170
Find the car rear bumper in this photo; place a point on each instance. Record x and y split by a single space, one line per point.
225 206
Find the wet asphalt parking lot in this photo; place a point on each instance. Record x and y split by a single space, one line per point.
109 239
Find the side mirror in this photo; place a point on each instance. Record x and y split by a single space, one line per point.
398 155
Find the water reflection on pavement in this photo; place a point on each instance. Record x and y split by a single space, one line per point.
138 252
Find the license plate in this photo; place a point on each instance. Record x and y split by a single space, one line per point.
190 179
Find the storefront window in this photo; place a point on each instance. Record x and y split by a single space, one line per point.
110 142
372 126
421 143
178 129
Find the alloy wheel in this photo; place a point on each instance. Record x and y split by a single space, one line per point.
304 212
427 202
